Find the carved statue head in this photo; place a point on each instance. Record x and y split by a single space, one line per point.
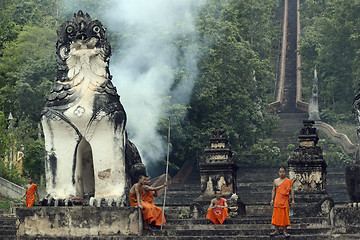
234 197
81 33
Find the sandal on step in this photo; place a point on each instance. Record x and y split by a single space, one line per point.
147 228
286 235
274 234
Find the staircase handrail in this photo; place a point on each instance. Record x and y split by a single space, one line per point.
280 86
345 143
10 189
301 105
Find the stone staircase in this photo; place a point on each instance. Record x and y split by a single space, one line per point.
254 188
182 194
249 227
7 227
289 98
290 116
288 129
255 185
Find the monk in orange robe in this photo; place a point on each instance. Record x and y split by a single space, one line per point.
282 186
147 209
148 197
31 189
217 211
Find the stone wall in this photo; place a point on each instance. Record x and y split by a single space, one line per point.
78 221
10 189
345 219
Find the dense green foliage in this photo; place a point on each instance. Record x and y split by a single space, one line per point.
330 41
238 39
27 70
5 203
225 93
237 64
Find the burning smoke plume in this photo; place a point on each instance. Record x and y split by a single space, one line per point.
143 65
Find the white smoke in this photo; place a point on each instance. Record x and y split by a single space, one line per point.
143 67
145 73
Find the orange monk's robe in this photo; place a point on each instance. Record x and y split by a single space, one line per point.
148 209
156 211
281 204
30 195
218 215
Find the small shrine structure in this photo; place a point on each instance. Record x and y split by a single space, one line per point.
307 168
218 170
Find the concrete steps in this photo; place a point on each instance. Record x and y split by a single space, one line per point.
254 187
246 227
259 237
288 129
250 220
7 227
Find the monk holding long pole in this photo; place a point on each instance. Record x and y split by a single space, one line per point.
148 197
139 197
166 175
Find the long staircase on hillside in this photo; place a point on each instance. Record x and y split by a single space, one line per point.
288 105
289 95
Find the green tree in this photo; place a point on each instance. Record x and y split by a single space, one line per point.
27 70
6 143
330 40
30 70
5 138
225 92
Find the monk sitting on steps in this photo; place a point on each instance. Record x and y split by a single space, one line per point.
148 197
282 187
217 211
148 210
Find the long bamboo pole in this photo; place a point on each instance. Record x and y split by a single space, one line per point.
166 175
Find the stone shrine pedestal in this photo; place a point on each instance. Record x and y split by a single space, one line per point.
307 168
218 173
218 170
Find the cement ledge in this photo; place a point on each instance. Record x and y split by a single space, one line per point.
78 221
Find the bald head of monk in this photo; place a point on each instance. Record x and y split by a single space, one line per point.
142 180
147 180
29 180
218 194
282 172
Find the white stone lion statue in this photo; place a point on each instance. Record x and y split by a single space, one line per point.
88 155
